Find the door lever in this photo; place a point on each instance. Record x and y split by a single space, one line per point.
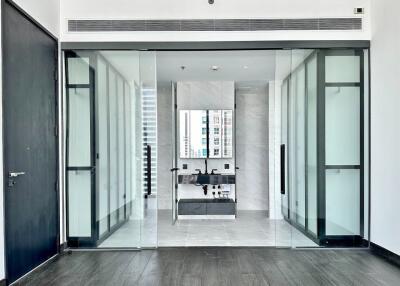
15 174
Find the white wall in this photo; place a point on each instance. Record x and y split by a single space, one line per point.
46 12
385 130
177 9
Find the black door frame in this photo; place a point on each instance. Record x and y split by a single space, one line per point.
57 133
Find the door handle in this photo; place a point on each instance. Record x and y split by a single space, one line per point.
15 174
148 149
283 169
12 176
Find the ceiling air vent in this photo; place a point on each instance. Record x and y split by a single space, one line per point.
215 25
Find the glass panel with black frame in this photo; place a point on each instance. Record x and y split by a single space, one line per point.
79 151
343 165
107 127
326 150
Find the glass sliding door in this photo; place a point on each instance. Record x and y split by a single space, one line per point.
322 152
111 100
311 146
148 89
282 100
343 99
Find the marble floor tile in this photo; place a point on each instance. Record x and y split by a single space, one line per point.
250 228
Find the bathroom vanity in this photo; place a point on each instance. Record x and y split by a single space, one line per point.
220 206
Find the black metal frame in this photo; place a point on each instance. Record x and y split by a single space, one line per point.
344 240
213 46
57 114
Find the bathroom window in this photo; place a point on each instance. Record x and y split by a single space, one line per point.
204 131
204 141
216 152
216 141
216 131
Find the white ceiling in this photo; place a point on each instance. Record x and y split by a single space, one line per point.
232 65
239 66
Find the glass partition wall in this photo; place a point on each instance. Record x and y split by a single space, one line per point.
111 148
324 162
321 134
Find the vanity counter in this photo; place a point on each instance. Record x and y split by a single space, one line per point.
206 207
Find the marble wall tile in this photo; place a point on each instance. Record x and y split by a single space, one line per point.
252 147
164 138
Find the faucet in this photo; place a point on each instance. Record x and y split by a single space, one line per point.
206 172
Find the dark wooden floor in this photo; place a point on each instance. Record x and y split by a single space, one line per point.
218 266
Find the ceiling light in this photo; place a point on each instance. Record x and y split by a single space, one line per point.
183 67
214 68
245 67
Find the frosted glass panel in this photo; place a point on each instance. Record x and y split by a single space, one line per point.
121 148
79 204
79 127
113 110
300 171
312 145
102 135
343 202
78 70
342 68
128 149
342 125
284 140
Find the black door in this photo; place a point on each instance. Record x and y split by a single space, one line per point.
30 143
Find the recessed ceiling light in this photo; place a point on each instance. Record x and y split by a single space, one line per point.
245 67
214 68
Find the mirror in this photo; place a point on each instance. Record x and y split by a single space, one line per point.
193 134
206 134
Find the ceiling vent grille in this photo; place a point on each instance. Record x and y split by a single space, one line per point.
215 25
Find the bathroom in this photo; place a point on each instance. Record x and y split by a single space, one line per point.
215 179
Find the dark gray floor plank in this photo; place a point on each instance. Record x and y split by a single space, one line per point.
217 266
